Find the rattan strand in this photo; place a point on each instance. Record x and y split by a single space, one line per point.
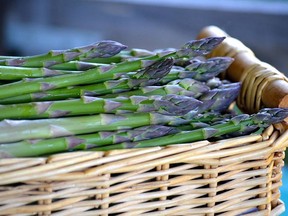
228 160
254 80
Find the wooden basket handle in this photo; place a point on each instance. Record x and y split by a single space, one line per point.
262 84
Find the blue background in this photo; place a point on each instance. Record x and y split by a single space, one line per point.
284 190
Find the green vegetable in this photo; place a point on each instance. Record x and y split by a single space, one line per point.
101 49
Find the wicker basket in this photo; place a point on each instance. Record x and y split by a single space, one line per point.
238 176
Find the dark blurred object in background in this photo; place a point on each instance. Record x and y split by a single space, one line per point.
32 27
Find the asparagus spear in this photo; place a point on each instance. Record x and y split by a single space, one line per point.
103 73
203 72
152 135
75 66
17 73
169 105
94 62
16 130
115 88
29 148
146 76
134 52
45 128
101 49
124 84
28 86
261 119
123 56
91 63
222 97
214 66
217 99
188 87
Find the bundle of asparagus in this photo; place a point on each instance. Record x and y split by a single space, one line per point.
102 97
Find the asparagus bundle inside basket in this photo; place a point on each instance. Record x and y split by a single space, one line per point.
102 97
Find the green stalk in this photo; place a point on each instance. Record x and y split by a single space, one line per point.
16 130
149 136
29 148
239 123
147 76
38 147
221 98
101 49
126 83
17 73
169 105
76 66
212 67
124 55
188 87
98 74
103 73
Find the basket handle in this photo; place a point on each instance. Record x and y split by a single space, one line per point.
262 84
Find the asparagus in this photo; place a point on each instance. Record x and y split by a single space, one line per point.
44 84
126 83
91 63
185 87
203 70
16 130
101 49
36 147
188 87
217 99
45 128
123 56
261 119
17 73
75 66
222 97
113 89
29 148
102 73
146 76
177 104
148 136
169 105
214 66
67 66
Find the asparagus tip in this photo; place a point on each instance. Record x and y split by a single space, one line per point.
177 104
106 49
199 47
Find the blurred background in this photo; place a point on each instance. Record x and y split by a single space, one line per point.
32 27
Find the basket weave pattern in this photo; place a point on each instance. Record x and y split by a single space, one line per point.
237 176
228 177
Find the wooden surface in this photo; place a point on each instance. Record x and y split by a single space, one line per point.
246 66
